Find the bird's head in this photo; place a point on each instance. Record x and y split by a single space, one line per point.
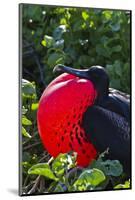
96 74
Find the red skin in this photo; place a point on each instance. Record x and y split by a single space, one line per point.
59 116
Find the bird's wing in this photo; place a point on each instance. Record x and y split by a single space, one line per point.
121 95
107 129
117 102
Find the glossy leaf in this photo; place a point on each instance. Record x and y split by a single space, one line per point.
27 87
24 110
42 169
85 15
115 27
25 133
107 14
59 44
48 41
34 106
90 177
126 185
112 167
26 121
58 32
55 58
63 162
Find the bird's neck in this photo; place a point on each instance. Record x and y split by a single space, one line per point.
102 95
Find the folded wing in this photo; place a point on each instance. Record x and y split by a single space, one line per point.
108 129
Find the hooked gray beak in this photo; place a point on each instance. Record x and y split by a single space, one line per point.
82 73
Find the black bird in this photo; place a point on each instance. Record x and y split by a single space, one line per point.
107 123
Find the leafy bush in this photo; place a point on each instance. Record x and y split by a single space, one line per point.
66 177
60 174
79 38
76 37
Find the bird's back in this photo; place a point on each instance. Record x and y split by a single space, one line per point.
117 102
108 126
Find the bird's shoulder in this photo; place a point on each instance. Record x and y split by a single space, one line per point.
121 96
117 102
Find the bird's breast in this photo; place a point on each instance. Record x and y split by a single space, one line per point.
59 117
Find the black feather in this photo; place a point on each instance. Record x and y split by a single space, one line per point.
117 102
107 129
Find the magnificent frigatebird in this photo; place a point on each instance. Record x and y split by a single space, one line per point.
78 111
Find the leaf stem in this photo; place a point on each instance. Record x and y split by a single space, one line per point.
37 181
33 189
30 146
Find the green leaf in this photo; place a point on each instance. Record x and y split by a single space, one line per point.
126 185
116 48
26 157
35 12
115 83
110 69
52 186
24 110
91 23
63 162
84 60
91 177
115 27
102 51
117 67
109 167
34 106
59 188
59 44
42 169
43 42
48 41
26 121
112 167
104 39
85 15
25 133
107 14
63 21
58 32
55 58
58 167
78 25
28 88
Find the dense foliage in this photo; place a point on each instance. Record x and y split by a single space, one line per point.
79 38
